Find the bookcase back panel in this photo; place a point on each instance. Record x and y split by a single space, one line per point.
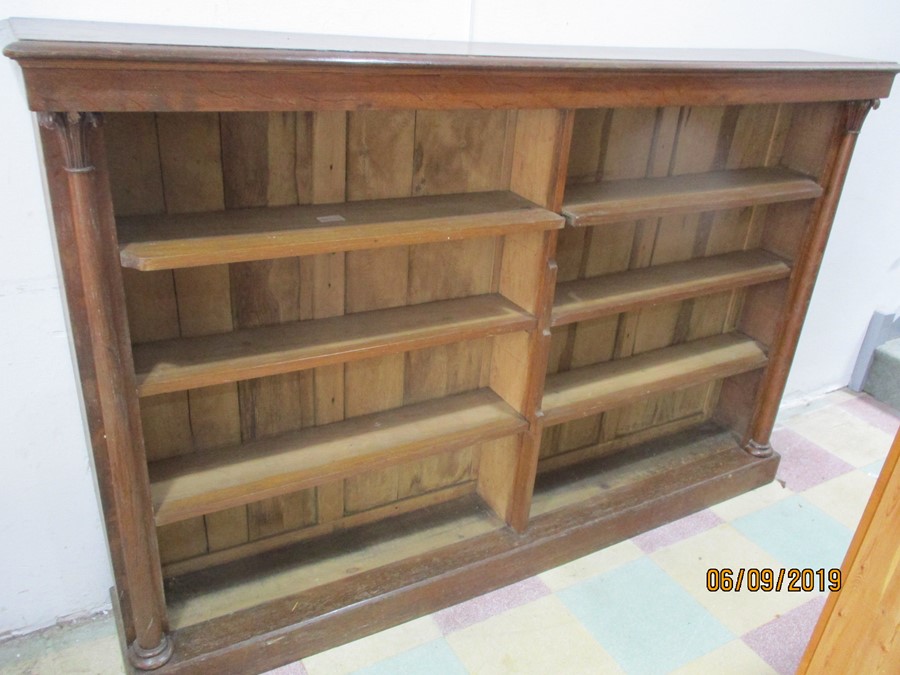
618 429
190 162
634 143
650 142
284 403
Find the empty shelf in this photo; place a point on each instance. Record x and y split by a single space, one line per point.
593 389
190 240
187 363
199 483
626 291
619 200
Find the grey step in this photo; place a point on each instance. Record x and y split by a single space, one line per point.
882 327
883 380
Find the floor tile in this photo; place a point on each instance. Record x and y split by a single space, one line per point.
842 433
676 531
798 408
874 469
803 463
735 658
843 498
874 413
369 650
591 565
290 669
781 642
490 604
644 619
763 496
724 547
797 534
432 657
535 639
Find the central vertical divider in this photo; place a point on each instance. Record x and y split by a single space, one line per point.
508 466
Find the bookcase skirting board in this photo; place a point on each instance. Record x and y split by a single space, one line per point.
365 328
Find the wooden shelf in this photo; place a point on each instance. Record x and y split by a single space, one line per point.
431 558
187 363
626 291
190 240
620 200
199 483
593 389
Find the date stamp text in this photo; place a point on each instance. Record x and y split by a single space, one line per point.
767 580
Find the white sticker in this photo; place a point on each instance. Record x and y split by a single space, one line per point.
331 219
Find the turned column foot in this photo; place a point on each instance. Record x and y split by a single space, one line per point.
758 449
150 659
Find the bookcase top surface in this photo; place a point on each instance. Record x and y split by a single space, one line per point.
73 65
52 39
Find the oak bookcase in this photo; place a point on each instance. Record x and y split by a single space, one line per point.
365 329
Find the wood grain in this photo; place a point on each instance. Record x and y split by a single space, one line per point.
628 291
204 482
66 77
149 243
613 201
589 390
181 364
858 627
398 587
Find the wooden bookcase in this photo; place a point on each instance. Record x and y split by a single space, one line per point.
365 333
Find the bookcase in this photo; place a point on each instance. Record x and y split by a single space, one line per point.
366 332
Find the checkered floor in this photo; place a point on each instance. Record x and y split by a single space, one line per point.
638 607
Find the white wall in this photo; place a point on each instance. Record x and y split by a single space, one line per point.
53 562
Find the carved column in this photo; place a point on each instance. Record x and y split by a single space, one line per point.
806 268
104 352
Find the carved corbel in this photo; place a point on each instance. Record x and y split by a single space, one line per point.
72 129
856 114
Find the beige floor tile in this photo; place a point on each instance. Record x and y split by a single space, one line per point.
688 561
591 565
368 650
844 435
798 408
735 658
749 502
534 639
843 498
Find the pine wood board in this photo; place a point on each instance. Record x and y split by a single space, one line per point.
204 482
592 389
858 628
619 200
240 235
630 290
180 364
190 157
322 528
433 558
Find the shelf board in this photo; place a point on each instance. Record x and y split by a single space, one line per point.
202 482
627 291
593 389
287 604
158 242
188 363
615 201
